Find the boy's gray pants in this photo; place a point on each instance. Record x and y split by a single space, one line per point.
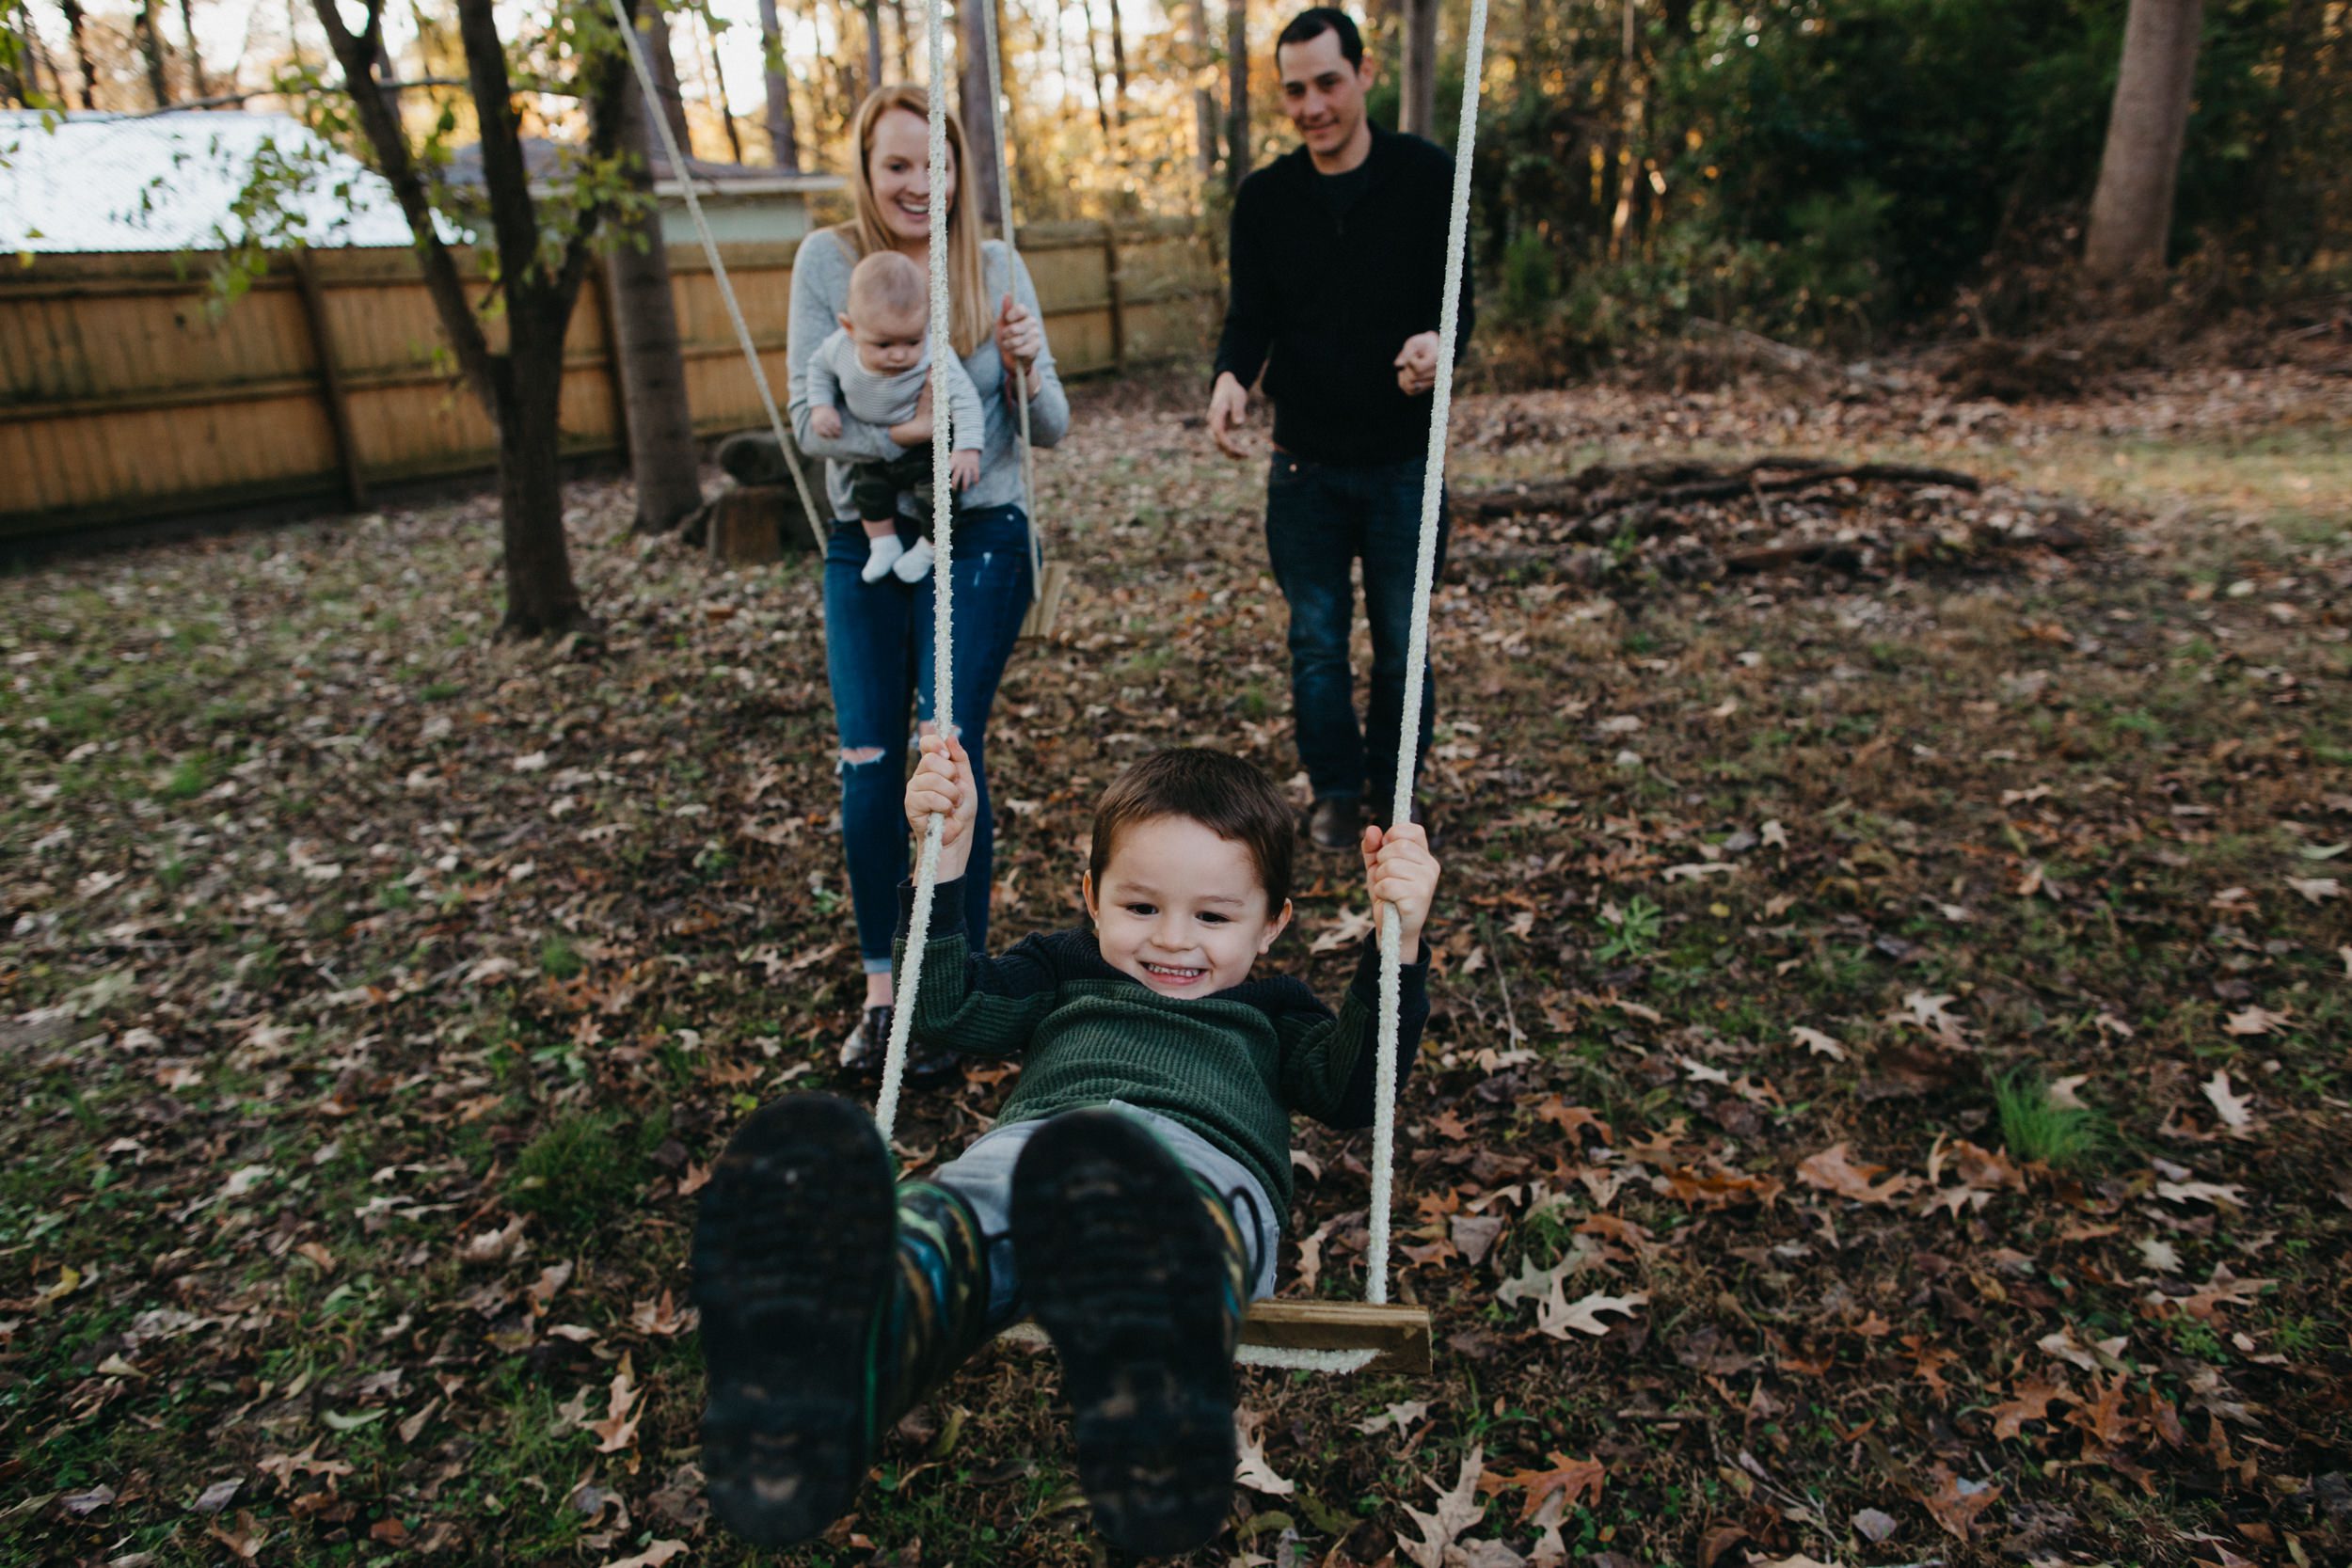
983 1177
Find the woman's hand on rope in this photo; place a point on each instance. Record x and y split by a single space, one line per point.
1019 338
1417 364
916 428
1400 870
943 785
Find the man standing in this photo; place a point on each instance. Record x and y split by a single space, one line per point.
1338 263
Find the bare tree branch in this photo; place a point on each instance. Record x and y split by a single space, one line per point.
357 55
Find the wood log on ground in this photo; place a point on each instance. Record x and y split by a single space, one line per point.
1603 489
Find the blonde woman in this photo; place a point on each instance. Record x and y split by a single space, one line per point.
877 635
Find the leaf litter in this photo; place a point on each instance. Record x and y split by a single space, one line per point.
360 965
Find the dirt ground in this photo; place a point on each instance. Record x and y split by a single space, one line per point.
1886 1102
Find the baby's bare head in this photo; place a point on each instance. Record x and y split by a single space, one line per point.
886 296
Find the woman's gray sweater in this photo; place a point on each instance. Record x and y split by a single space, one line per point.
820 292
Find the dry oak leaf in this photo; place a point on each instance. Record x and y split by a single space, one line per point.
245 1539
2031 1403
662 1317
1584 1315
2258 1020
1834 1170
1956 1501
1251 1470
652 1557
2228 1103
618 1429
1457 1511
2316 890
1818 1043
1569 1478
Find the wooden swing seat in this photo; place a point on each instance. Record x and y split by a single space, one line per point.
1398 1337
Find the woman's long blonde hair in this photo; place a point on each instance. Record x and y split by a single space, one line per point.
867 232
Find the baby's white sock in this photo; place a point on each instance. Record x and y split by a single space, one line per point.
882 554
916 561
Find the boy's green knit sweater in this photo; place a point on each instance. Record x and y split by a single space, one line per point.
1231 1067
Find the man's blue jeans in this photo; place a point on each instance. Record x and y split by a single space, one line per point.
878 653
1321 519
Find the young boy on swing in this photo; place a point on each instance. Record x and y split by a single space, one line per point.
1130 1196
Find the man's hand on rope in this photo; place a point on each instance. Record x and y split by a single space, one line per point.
1019 338
1229 408
943 785
1400 870
1417 364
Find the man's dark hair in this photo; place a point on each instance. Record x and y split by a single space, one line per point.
1233 798
1325 19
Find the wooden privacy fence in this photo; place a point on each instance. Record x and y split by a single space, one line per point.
125 396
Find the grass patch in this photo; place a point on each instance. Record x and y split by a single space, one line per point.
559 959
581 1169
2034 1126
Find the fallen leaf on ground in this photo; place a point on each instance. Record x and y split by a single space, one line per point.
1457 1511
1571 1479
1584 1315
1834 1170
2230 1106
1956 1501
652 1557
1818 1043
618 1429
1251 1470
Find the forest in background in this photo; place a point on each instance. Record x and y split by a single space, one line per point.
1834 172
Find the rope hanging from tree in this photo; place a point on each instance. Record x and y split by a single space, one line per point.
650 105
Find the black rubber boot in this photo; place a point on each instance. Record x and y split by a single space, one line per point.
795 1260
1135 1270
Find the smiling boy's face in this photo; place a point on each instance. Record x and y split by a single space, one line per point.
1181 909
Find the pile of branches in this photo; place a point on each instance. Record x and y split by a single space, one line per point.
1700 520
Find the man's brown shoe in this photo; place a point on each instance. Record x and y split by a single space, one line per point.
1337 822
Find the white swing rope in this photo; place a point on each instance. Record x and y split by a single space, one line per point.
1408 738
661 124
942 578
1417 652
1004 211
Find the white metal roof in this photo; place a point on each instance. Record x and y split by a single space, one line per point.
171 181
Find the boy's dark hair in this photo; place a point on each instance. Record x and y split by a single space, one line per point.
1233 798
1321 20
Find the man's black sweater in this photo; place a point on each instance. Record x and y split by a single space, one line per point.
1329 300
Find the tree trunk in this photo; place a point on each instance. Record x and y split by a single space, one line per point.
2131 213
873 45
1118 65
714 76
528 386
78 31
655 29
196 60
1417 85
1238 148
906 40
151 47
1094 69
662 454
1203 97
784 144
979 106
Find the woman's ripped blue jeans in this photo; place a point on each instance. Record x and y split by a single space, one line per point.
878 657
